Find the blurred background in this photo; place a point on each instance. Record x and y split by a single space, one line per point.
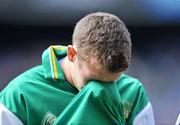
27 27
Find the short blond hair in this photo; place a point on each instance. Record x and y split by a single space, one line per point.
106 37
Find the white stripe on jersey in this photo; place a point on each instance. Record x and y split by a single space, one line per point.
7 117
178 120
145 117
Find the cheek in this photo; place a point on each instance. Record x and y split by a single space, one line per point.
86 73
81 71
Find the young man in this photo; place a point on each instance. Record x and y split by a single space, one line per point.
81 84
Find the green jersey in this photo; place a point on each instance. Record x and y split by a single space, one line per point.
42 96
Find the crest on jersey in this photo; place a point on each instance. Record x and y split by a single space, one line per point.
48 119
127 107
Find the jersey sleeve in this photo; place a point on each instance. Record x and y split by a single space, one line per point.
7 117
12 103
142 113
178 120
136 106
145 117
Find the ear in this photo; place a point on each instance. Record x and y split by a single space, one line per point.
71 53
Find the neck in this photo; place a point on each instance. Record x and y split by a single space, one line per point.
65 65
67 70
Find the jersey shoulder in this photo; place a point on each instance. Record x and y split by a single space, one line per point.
129 85
13 95
133 95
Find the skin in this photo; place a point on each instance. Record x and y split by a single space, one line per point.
78 72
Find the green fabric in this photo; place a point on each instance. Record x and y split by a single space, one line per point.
41 96
50 59
134 97
97 104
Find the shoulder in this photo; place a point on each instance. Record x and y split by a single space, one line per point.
132 90
128 80
21 83
136 105
13 95
126 83
27 76
133 94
